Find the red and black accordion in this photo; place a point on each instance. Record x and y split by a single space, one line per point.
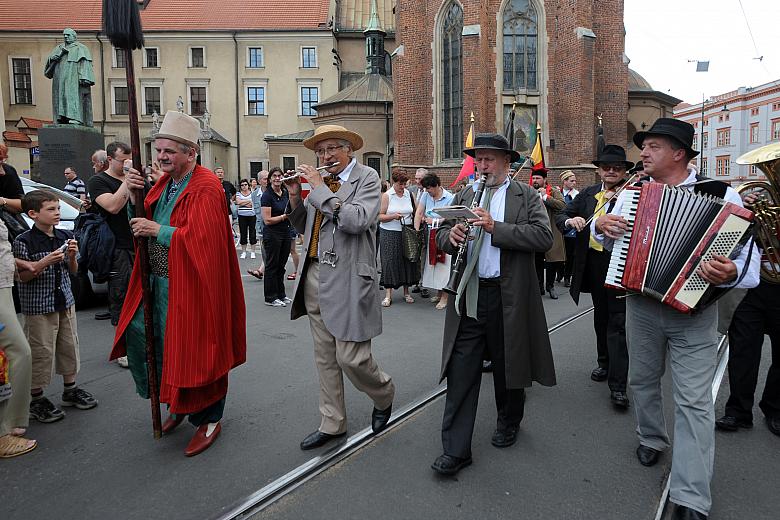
671 231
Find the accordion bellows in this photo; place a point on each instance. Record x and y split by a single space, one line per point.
671 231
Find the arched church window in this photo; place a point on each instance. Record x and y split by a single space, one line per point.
520 46
452 82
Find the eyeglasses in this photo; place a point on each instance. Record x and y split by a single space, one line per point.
330 150
613 167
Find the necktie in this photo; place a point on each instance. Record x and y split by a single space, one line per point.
334 185
600 198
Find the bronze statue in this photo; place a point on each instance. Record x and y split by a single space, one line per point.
70 67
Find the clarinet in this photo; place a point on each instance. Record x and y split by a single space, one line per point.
460 258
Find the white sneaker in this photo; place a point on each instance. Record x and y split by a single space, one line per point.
286 300
252 255
122 361
243 254
276 303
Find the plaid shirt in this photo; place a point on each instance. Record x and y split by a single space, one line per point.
50 291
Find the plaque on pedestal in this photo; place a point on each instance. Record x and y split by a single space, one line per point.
63 146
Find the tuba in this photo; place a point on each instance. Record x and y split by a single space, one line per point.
766 210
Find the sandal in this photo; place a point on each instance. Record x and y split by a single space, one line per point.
408 298
441 305
386 302
256 273
12 446
292 276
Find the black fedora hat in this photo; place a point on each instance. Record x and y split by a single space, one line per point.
492 142
613 154
679 130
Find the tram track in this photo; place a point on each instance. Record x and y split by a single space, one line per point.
275 490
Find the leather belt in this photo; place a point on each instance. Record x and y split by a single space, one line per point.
490 282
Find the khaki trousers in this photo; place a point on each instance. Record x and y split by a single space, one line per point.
14 412
335 358
52 337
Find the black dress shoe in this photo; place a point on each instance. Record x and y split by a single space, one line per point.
729 423
449 465
686 513
103 316
487 365
504 437
380 418
553 294
567 282
647 456
416 289
619 399
425 293
318 438
599 374
773 423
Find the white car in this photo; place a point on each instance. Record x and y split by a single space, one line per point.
84 287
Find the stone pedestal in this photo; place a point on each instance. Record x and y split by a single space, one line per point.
63 146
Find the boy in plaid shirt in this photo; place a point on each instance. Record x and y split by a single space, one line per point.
45 257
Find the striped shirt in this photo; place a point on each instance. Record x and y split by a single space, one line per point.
77 188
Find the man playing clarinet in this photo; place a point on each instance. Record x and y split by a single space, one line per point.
497 307
654 329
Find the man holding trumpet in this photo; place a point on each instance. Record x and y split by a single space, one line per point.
498 306
338 285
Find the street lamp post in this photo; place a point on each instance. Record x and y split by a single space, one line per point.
701 136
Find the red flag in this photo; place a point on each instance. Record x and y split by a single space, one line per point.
466 171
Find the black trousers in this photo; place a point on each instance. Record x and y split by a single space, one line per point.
541 267
609 321
247 226
276 252
756 315
568 270
464 375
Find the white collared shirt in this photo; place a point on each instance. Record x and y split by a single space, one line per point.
344 174
751 278
489 261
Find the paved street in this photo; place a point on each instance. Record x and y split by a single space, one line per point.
574 458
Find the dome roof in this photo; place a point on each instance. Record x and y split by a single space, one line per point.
637 82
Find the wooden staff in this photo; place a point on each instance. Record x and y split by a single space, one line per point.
122 25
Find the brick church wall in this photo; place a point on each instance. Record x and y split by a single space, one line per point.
586 77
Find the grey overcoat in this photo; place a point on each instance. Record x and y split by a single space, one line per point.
348 292
525 231
555 204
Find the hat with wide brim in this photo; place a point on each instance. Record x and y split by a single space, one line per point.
492 142
333 132
613 154
179 127
678 130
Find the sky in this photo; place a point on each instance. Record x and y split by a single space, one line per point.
662 35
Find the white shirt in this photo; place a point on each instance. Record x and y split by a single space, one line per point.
572 192
489 261
752 277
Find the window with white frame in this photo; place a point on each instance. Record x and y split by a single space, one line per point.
704 166
309 97
309 57
288 162
775 129
254 57
255 100
722 166
151 97
151 57
197 101
753 170
724 136
705 141
754 133
120 102
197 57
21 81
119 58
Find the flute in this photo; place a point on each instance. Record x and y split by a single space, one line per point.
298 172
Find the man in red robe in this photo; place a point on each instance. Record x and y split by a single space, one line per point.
199 315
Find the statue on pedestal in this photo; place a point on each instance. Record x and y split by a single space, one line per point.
70 67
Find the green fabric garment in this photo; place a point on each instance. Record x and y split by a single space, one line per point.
136 337
470 279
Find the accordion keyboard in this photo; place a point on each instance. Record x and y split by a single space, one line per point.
617 262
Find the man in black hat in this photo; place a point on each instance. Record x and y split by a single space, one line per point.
653 329
590 270
497 307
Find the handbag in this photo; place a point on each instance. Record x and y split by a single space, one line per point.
15 224
412 239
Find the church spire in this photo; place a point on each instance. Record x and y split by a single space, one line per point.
375 43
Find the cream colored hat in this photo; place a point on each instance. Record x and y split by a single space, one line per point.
333 132
566 174
180 127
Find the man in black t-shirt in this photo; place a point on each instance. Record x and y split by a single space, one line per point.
110 194
11 191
